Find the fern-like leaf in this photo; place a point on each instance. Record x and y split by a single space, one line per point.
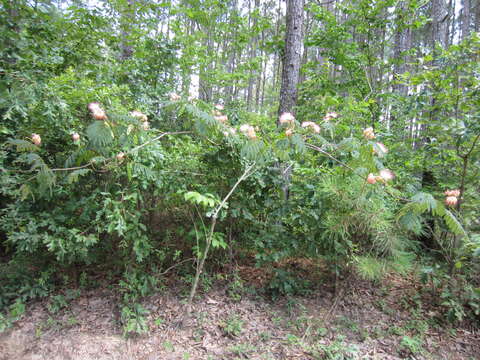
100 134
409 215
22 145
75 175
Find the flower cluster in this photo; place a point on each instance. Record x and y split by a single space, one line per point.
384 176
36 139
174 97
229 131
142 117
218 115
369 134
330 115
288 120
311 125
139 115
451 197
96 111
248 131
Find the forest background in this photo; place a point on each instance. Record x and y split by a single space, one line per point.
145 137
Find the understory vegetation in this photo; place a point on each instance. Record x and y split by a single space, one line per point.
137 144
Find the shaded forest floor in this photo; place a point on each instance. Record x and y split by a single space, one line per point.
232 321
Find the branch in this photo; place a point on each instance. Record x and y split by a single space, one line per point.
91 163
174 266
245 174
473 146
316 148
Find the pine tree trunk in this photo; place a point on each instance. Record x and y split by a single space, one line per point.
477 15
439 15
400 46
291 70
127 18
292 56
466 19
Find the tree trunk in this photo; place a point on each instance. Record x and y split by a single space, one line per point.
466 19
439 15
476 9
291 70
401 44
128 17
292 56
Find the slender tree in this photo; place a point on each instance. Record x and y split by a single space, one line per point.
292 56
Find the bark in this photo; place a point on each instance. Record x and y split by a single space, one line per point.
277 60
292 56
291 70
205 87
439 29
465 19
127 17
253 54
476 9
231 64
449 22
402 41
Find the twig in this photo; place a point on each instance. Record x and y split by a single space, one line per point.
248 171
316 148
177 264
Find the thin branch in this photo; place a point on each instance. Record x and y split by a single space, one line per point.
177 264
91 163
157 138
245 174
316 148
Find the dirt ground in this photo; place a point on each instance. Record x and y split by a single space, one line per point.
363 322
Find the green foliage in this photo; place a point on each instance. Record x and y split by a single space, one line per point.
459 298
133 320
233 326
411 345
236 288
338 349
410 215
285 283
132 199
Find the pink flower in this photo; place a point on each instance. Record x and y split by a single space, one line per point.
36 139
174 97
330 115
139 115
287 118
93 106
75 136
248 131
120 156
455 193
99 114
311 125
221 118
379 146
387 174
369 134
451 201
371 179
